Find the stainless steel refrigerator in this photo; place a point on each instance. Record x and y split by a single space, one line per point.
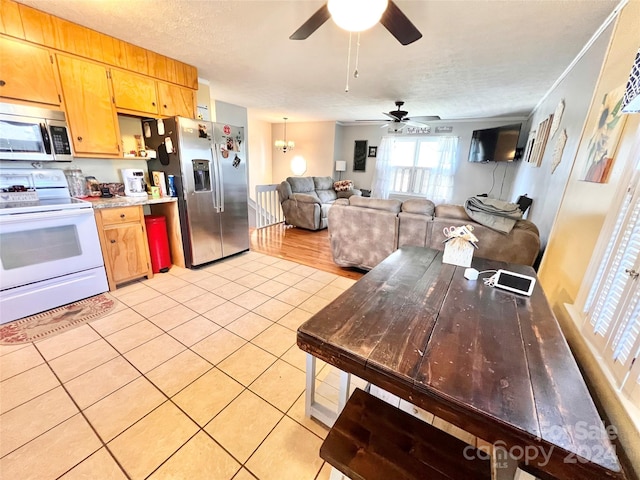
209 165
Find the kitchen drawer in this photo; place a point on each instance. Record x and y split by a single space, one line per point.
117 216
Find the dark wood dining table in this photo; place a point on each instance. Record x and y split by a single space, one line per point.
489 361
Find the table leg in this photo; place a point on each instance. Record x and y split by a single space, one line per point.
343 395
310 392
323 413
337 474
503 466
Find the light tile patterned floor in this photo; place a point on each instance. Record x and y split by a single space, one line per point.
195 375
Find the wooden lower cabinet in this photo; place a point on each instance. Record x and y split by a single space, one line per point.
123 239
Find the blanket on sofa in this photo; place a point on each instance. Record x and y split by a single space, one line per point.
493 213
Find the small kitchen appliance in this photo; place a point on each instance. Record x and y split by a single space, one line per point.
33 134
134 184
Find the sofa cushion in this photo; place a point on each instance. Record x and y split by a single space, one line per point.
301 184
419 205
326 196
323 183
452 211
388 205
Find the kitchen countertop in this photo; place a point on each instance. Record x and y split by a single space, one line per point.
99 202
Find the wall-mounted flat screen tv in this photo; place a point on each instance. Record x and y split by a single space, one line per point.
494 144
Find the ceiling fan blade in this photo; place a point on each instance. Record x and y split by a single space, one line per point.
390 116
386 125
315 21
399 25
411 123
427 118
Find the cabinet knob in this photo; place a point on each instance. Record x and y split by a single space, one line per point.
2 83
164 106
113 241
122 215
79 139
153 103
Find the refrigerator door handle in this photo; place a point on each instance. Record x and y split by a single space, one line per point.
219 182
221 185
216 179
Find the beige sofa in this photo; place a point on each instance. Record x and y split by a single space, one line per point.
305 201
364 231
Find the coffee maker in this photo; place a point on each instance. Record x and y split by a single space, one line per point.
134 184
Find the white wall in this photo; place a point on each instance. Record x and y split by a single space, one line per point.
313 140
471 178
576 89
577 226
261 154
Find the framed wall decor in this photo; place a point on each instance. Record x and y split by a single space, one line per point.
360 156
373 151
604 139
529 148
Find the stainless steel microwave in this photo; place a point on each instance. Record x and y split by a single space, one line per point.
33 134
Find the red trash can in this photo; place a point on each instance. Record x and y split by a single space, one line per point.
158 243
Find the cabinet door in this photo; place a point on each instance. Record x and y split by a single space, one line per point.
27 73
90 111
127 251
10 22
134 92
175 100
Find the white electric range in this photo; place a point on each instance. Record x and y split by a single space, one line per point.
49 247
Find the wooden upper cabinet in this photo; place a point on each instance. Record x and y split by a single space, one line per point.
113 51
38 27
134 92
90 112
27 73
157 65
176 100
73 38
136 58
10 21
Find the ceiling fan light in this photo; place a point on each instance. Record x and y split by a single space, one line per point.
356 15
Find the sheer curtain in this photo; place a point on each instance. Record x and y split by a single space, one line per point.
383 173
434 167
440 185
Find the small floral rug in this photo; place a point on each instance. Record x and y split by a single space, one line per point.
52 322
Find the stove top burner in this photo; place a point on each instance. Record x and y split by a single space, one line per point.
43 205
49 184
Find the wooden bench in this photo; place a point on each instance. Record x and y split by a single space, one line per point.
372 440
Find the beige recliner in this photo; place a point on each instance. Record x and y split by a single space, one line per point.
306 200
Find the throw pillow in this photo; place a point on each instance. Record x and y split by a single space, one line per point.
343 186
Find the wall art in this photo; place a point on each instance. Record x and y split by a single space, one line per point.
558 150
360 156
604 139
373 151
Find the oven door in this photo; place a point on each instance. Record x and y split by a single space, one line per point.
45 245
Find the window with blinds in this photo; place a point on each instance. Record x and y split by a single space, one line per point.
613 304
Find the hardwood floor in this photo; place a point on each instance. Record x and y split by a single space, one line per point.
301 246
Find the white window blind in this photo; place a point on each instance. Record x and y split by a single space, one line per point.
613 303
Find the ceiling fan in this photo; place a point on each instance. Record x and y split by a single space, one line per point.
392 19
399 119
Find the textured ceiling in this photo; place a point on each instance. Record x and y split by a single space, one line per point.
477 58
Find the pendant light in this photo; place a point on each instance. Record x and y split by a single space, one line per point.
283 145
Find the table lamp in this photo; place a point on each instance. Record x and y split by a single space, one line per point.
341 166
